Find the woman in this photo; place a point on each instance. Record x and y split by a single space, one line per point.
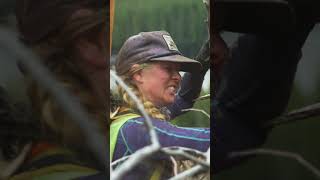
71 39
150 63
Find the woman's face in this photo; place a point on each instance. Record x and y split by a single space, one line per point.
159 82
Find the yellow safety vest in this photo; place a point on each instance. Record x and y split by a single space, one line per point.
114 131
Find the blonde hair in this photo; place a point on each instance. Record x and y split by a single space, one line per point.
57 54
126 100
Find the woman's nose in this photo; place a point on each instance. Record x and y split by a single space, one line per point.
176 76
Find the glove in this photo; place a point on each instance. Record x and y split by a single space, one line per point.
203 57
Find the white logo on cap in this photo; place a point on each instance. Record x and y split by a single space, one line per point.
171 45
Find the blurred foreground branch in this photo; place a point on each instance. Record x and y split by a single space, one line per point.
95 140
295 115
278 153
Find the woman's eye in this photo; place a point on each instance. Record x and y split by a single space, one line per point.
167 68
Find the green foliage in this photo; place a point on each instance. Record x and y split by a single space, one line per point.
195 119
183 19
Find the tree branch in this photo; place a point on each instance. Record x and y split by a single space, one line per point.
187 153
204 97
295 115
284 154
198 110
194 170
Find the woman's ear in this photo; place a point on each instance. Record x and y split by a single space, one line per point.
137 76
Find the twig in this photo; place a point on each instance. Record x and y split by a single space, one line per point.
175 165
208 155
204 97
119 161
198 110
138 157
178 151
189 173
194 170
299 114
284 154
185 152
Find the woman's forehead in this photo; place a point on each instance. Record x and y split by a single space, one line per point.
167 63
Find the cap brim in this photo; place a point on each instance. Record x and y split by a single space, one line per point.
252 16
187 64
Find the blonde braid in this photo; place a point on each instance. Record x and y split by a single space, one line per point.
149 107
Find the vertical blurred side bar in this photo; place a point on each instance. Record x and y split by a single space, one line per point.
110 24
211 30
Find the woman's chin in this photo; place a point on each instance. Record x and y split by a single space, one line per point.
169 100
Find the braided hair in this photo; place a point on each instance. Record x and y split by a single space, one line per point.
126 101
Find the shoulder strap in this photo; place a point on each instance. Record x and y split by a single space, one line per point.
115 127
114 131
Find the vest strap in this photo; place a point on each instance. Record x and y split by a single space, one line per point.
115 128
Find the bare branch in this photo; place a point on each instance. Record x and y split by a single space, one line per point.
299 114
187 153
119 161
198 110
189 173
138 157
204 97
194 170
284 154
208 155
175 165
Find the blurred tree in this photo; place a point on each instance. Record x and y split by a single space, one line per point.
183 19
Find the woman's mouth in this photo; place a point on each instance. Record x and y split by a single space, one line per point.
173 89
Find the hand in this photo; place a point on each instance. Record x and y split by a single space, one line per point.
203 57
